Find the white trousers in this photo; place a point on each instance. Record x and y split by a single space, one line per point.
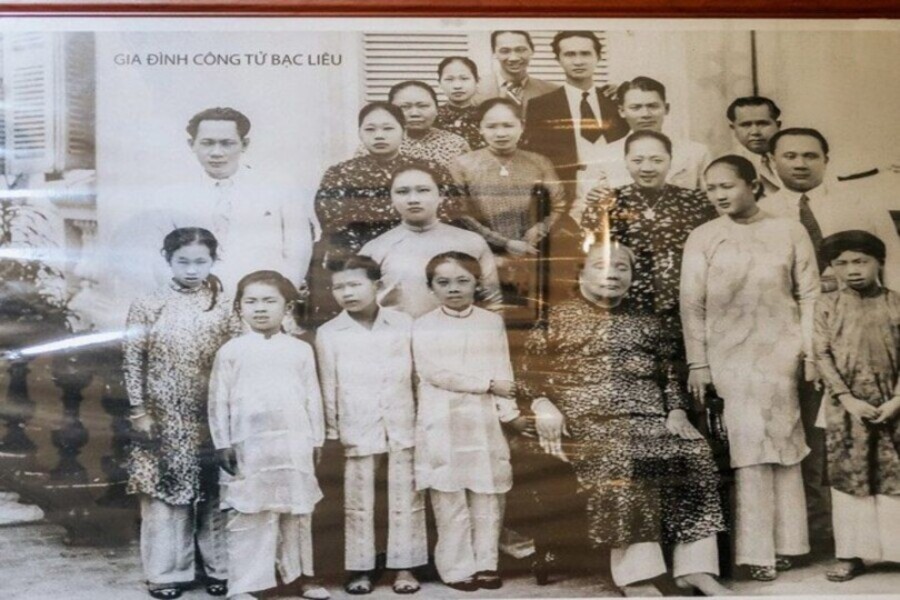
770 516
168 533
866 527
260 543
645 560
468 529
407 544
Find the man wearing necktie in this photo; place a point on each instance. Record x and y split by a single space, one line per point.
754 120
512 52
824 206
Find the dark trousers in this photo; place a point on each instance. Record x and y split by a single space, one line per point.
818 496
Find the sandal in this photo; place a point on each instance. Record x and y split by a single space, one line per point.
405 584
359 584
312 590
763 573
783 563
489 580
216 587
169 593
845 570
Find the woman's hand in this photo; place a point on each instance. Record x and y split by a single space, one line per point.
863 411
698 379
811 373
678 424
503 388
551 426
227 460
520 248
317 455
143 424
523 425
533 236
888 411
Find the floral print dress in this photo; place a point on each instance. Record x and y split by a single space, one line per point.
462 122
168 355
857 344
609 372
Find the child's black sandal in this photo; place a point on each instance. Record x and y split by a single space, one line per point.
166 593
216 587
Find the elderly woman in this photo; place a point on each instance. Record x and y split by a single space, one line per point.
353 203
419 103
748 290
599 371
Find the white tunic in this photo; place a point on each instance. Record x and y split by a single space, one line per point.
459 442
265 403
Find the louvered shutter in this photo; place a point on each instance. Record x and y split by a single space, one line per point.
543 63
394 57
49 92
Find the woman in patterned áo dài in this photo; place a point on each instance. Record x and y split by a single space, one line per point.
173 336
458 77
748 290
353 202
599 369
423 140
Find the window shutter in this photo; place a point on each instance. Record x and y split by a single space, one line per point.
49 92
394 57
544 66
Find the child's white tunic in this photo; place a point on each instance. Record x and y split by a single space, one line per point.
264 401
459 442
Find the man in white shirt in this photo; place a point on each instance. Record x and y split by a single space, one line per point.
513 51
754 120
823 206
258 225
643 105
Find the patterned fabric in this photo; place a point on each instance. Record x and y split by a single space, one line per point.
748 293
858 351
655 224
461 121
172 340
353 202
437 145
609 373
407 546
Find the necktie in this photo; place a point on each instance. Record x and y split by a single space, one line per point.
808 220
222 209
590 128
514 91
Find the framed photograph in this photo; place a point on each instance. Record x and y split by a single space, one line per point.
550 302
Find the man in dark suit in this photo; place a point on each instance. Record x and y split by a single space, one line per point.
570 124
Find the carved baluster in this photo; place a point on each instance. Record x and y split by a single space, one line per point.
17 411
115 403
71 376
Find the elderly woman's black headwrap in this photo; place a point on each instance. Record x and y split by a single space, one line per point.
854 240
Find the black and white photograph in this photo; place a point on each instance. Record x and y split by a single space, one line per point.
452 308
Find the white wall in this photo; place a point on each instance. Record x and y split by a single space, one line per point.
300 118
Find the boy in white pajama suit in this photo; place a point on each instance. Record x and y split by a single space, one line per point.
365 368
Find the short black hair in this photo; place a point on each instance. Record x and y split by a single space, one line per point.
490 103
799 131
464 60
496 34
399 87
745 101
219 113
648 133
339 264
429 168
466 261
391 109
645 84
564 35
273 278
